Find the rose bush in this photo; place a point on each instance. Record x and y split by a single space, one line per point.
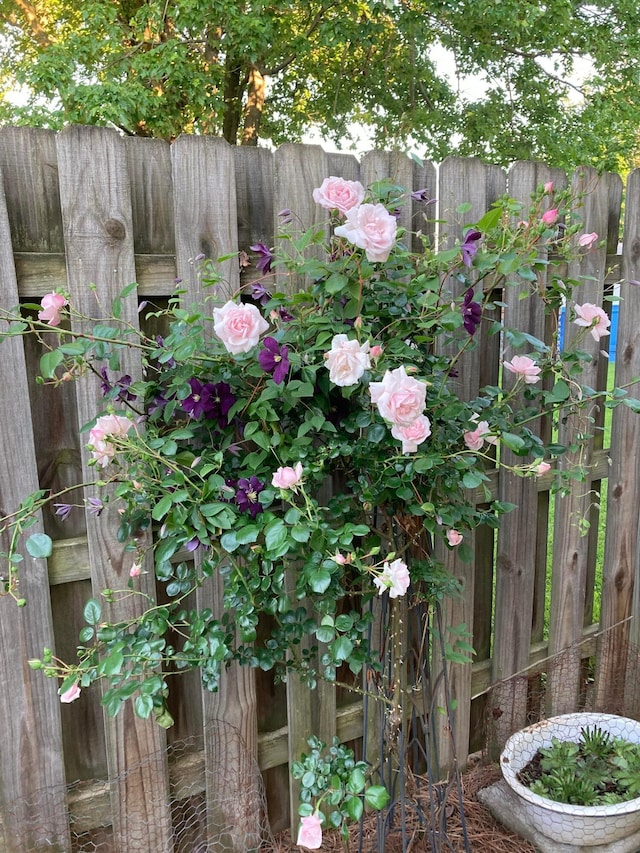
217 457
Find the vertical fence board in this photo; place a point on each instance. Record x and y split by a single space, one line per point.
205 222
298 170
622 542
571 547
516 558
96 210
31 761
29 164
462 180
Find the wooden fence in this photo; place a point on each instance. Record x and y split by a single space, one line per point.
87 206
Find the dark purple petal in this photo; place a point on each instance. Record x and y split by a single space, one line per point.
285 316
63 510
422 195
469 248
247 491
220 402
259 293
192 544
471 312
265 257
274 359
105 385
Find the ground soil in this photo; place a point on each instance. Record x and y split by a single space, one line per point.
484 833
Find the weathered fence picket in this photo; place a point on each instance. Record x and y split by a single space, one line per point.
90 211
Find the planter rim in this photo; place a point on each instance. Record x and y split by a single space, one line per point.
553 727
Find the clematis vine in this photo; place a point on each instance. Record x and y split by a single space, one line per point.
274 359
469 247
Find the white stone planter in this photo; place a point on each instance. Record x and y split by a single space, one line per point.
582 826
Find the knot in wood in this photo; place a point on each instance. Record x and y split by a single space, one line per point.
115 229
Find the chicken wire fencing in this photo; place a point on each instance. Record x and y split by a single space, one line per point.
426 814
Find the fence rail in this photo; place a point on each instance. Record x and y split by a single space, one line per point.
88 207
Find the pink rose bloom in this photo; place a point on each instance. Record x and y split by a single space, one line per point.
454 537
476 438
586 241
108 425
287 478
414 434
541 468
135 571
347 360
238 326
339 194
340 559
394 577
548 187
52 304
524 366
310 832
71 694
400 398
376 351
370 227
550 217
593 318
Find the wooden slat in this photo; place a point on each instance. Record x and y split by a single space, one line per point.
31 172
469 181
96 209
205 222
571 547
516 554
622 542
31 760
298 170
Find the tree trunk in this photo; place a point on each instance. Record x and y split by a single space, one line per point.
257 87
233 90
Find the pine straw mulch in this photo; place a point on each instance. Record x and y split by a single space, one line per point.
484 833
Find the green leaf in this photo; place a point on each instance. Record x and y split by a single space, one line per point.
275 537
229 541
143 705
354 808
39 545
48 363
161 508
92 612
319 580
376 796
341 649
356 782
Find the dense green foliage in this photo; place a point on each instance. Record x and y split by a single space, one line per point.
251 70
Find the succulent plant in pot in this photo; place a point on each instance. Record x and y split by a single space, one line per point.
577 777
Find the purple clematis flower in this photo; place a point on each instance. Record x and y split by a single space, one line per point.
422 195
274 359
220 403
63 511
247 492
198 401
471 312
95 506
469 248
259 292
265 258
285 315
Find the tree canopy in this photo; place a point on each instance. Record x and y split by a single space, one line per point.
273 69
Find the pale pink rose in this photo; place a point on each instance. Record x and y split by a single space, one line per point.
541 468
394 577
400 398
550 217
586 241
347 360
340 559
52 304
370 227
454 537
310 832
108 425
414 434
524 366
339 194
548 187
376 351
476 438
135 571
287 478
71 694
238 326
594 318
